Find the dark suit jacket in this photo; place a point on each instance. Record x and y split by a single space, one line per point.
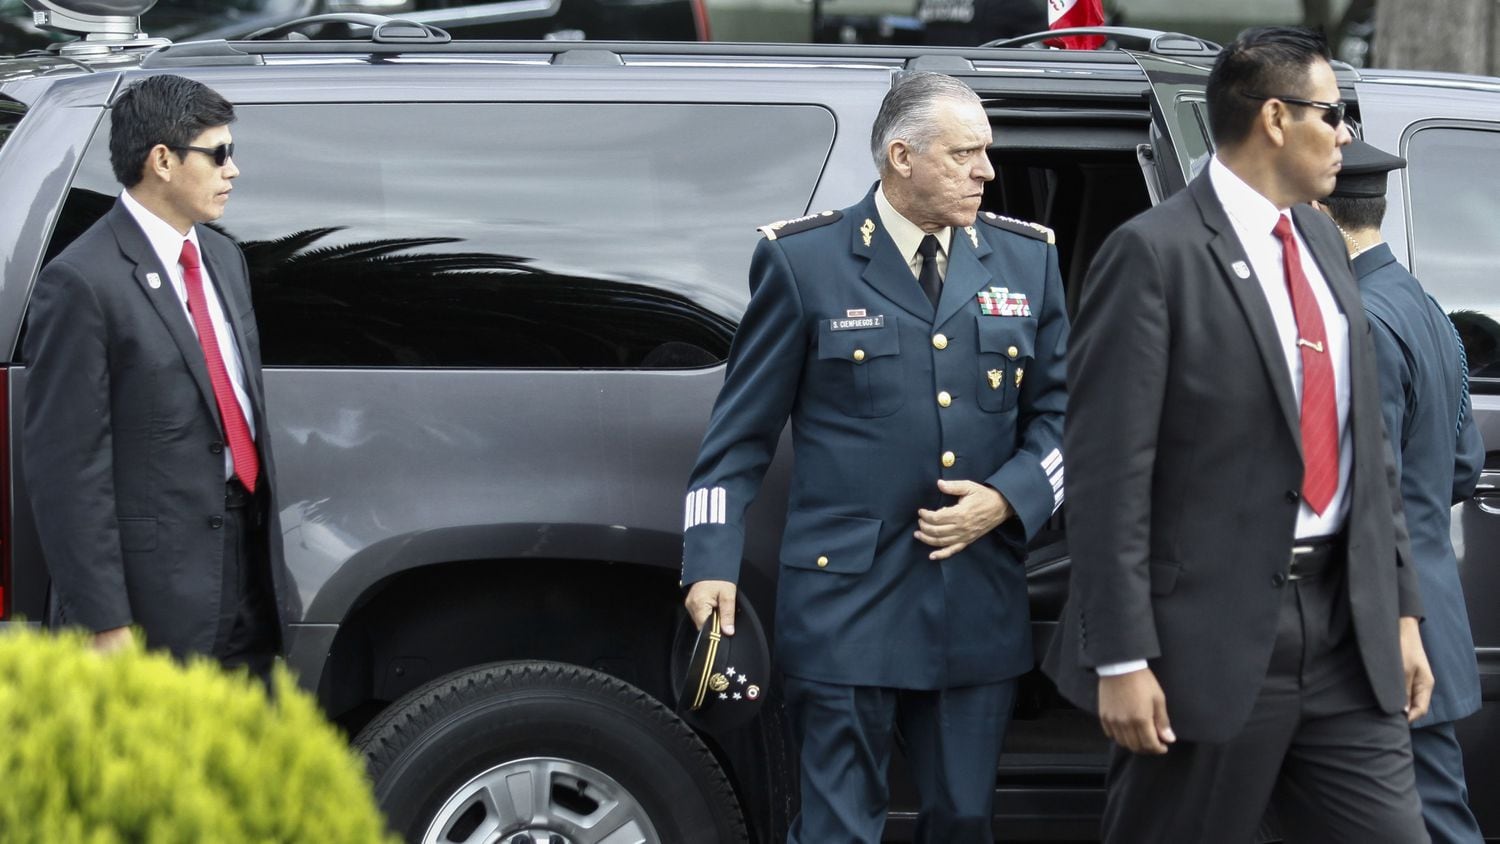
858 601
1184 469
122 448
1439 456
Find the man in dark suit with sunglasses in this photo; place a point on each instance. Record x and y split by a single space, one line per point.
1243 607
145 445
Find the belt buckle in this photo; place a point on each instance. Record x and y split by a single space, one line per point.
1291 567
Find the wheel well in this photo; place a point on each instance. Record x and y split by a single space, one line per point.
421 624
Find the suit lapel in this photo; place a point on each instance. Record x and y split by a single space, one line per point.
885 270
1234 265
966 275
163 298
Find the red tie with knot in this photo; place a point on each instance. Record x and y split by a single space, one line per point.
1320 415
236 430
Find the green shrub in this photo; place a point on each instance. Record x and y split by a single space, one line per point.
134 748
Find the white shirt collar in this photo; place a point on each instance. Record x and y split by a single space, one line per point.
1249 209
906 234
165 240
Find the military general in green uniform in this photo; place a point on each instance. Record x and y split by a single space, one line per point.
916 345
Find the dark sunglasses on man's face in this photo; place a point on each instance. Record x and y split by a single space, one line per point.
221 153
1333 113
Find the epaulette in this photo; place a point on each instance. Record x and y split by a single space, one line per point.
1011 224
782 228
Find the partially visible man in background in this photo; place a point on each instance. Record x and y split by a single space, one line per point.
1424 397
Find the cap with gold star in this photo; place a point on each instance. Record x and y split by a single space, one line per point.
727 676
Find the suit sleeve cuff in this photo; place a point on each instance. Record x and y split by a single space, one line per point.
1115 669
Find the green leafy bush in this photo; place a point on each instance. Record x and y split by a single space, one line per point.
134 748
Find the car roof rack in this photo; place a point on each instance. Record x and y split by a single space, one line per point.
392 40
383 29
1155 41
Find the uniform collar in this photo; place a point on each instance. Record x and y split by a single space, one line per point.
903 232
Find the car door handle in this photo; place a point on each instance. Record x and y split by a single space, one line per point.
1487 493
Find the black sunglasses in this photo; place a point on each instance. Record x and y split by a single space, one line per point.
221 153
1333 113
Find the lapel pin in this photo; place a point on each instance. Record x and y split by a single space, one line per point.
1241 269
996 376
154 280
973 235
868 230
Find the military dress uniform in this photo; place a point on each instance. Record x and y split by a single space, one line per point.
1439 454
886 394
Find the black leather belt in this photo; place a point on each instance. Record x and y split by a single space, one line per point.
1315 557
235 494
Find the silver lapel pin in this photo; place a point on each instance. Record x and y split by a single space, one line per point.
154 280
1241 269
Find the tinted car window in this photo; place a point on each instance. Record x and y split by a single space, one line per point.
501 235
1453 214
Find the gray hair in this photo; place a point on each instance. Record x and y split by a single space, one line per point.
909 111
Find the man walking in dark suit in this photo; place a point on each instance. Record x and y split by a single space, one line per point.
1424 395
1243 608
918 352
144 446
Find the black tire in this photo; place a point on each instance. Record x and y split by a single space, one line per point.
453 733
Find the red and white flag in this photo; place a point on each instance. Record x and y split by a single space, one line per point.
1067 14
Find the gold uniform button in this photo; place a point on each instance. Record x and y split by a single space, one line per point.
822 562
859 354
1013 351
949 458
944 399
940 341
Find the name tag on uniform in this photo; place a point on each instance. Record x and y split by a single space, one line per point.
853 323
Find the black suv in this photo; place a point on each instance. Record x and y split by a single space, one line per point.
496 283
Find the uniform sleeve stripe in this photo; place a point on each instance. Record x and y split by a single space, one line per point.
1057 481
1051 461
706 506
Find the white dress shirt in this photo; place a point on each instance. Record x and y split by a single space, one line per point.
908 236
166 242
1253 218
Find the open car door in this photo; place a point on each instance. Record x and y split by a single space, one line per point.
1178 146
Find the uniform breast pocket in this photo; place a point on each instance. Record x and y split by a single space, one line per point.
866 367
1006 345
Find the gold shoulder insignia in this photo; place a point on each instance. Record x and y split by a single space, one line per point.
782 228
1021 227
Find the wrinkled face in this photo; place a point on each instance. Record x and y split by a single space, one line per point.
198 188
1312 156
947 178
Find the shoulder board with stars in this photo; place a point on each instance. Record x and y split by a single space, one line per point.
782 228
1022 227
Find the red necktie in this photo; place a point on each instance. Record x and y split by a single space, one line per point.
236 430
1320 415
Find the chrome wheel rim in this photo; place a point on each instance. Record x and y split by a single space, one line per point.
542 800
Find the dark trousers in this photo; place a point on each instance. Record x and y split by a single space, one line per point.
1440 783
1336 767
952 739
248 634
